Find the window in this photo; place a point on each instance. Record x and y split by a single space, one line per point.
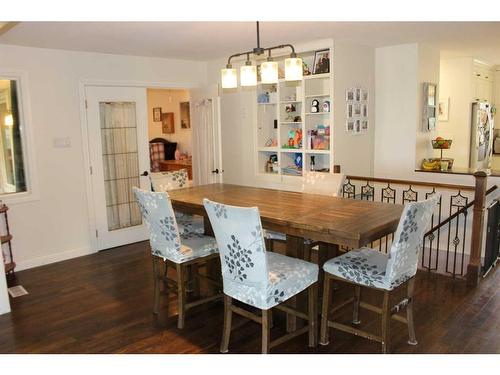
12 168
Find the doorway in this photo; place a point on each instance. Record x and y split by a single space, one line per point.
121 127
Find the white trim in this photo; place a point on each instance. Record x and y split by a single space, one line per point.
53 258
27 140
85 140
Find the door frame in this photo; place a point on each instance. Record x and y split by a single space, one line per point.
82 84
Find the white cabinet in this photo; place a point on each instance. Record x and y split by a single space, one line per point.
482 82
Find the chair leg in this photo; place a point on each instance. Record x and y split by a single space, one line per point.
226 330
195 279
355 309
266 331
181 295
307 252
409 314
324 311
313 314
156 293
386 322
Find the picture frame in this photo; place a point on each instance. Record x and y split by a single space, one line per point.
185 115
431 95
357 126
349 110
167 123
349 125
443 109
157 114
364 110
364 95
357 96
321 62
364 125
357 109
349 95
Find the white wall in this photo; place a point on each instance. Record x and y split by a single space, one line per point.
55 226
353 66
456 84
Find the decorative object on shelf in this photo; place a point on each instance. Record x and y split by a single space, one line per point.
356 110
322 62
294 139
305 69
167 123
157 114
297 119
291 98
443 109
312 163
436 164
297 160
272 164
271 142
315 106
319 138
263 98
290 108
185 117
268 69
429 107
326 106
6 238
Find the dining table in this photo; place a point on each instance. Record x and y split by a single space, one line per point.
330 221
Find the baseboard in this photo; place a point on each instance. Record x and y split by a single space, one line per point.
52 258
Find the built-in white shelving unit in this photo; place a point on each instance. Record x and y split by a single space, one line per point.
272 121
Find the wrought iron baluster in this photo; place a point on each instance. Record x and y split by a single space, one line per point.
349 190
409 195
457 202
463 243
367 192
432 236
388 194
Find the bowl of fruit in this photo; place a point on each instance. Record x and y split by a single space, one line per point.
441 143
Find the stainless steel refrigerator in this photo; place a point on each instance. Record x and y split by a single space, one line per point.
481 140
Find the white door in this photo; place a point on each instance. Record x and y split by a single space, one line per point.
206 125
118 148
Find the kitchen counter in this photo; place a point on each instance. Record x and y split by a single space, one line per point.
460 171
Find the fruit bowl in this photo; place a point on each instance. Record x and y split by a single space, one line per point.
441 144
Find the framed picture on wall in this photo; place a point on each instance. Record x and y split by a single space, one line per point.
167 123
321 62
157 114
443 109
185 119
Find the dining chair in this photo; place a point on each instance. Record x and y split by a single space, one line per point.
172 249
260 279
372 269
167 181
322 183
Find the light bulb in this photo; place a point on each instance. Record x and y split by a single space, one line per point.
248 75
229 78
9 120
293 69
269 72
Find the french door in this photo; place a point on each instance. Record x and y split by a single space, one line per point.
118 148
206 136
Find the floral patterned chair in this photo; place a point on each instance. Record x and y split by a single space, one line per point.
166 181
171 248
258 278
370 268
322 183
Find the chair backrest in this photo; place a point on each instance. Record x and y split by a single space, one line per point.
323 183
403 257
166 181
158 214
238 232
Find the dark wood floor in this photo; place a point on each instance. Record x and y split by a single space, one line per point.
102 304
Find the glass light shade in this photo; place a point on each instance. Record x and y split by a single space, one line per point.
269 72
9 120
293 69
229 78
248 75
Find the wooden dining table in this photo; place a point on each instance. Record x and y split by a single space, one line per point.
331 221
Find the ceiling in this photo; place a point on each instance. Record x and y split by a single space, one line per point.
210 40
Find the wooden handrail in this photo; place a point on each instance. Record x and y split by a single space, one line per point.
465 208
408 182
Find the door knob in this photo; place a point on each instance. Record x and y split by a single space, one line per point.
216 171
145 174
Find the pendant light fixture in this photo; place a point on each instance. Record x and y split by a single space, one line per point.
268 69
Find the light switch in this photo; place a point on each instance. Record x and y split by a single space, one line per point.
62 142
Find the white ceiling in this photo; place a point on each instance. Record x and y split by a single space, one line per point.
209 40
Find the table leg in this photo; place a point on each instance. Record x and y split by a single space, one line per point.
212 266
295 249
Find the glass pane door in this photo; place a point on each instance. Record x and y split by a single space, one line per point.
120 163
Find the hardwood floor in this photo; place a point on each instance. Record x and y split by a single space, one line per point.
102 303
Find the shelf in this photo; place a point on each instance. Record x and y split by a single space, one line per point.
317 95
317 113
291 150
324 152
318 76
291 175
267 149
291 122
290 101
267 103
